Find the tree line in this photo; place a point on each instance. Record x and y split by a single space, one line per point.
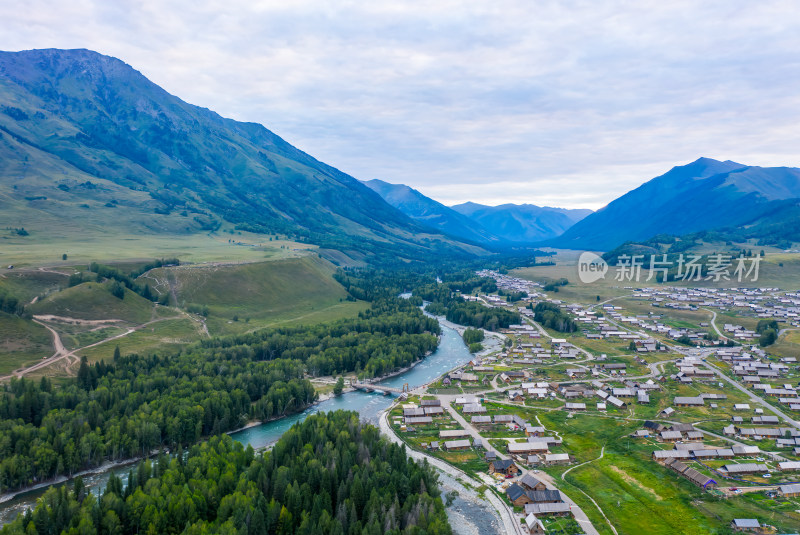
139 403
392 334
329 474
551 316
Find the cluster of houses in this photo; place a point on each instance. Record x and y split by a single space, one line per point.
756 373
619 397
538 501
688 446
512 284
762 433
422 414
534 352
761 302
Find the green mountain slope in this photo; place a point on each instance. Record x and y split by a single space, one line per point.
89 144
704 195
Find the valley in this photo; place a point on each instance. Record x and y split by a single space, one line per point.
205 329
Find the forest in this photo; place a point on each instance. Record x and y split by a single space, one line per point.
392 334
552 317
329 474
140 403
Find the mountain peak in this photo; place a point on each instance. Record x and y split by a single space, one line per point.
98 131
706 194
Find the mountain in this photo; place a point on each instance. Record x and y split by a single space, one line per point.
703 195
88 144
431 213
522 223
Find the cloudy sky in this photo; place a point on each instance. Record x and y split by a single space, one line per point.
554 103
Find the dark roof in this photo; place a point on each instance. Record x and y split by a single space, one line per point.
502 464
514 492
544 495
529 481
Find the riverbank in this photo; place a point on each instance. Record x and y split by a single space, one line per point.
255 423
492 342
452 475
450 354
105 467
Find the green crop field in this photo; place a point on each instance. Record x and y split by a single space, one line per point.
637 494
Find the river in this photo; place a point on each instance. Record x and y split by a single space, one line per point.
451 353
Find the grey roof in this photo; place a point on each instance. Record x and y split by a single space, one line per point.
682 400
529 481
746 523
746 467
544 495
514 492
456 444
790 489
545 508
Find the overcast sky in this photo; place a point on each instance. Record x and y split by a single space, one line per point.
554 103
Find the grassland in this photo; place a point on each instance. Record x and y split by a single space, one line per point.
46 249
247 296
778 269
164 337
291 288
21 342
93 301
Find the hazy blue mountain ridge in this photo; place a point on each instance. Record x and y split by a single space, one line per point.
703 195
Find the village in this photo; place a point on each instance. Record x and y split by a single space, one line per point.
703 404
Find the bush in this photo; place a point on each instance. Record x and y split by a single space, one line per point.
472 336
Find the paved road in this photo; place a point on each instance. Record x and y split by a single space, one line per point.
752 396
509 519
577 512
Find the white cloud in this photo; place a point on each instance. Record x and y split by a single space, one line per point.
560 103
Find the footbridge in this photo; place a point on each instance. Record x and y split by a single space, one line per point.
385 390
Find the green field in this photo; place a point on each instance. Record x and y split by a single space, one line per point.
21 342
247 296
93 301
165 336
777 269
640 496
82 247
29 284
239 297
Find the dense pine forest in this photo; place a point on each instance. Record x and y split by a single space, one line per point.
139 403
329 474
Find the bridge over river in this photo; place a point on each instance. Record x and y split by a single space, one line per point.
368 387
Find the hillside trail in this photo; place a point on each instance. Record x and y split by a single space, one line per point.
45 270
69 358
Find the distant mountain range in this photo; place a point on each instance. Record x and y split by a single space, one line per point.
740 201
522 223
88 143
431 213
496 226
